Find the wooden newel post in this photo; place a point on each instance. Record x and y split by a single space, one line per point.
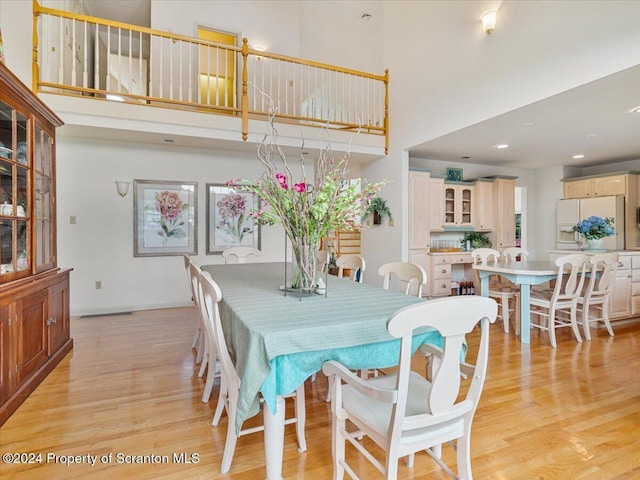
245 98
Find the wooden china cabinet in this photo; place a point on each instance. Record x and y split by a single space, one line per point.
34 292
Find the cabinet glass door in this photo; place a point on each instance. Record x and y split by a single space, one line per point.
43 200
14 188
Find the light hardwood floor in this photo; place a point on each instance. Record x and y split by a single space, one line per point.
130 387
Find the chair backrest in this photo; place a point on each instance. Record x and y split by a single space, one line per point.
352 262
406 274
570 279
483 255
602 271
453 317
511 254
194 281
240 254
187 264
212 296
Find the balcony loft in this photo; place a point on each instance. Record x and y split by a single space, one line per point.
110 80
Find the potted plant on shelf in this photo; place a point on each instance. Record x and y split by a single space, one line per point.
476 240
378 207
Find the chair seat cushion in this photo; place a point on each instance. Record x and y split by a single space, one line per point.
376 415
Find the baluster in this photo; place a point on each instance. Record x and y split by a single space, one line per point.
96 60
85 48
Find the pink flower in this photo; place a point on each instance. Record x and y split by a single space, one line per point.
282 180
300 187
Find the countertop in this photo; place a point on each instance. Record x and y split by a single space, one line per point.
587 252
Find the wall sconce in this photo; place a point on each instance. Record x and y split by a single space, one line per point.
122 187
489 21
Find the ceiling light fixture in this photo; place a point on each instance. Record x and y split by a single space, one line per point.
489 21
635 109
578 156
501 146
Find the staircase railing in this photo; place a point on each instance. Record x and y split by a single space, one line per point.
80 55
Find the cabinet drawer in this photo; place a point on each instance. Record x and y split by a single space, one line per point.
442 287
624 263
463 258
442 271
635 261
635 288
441 259
635 275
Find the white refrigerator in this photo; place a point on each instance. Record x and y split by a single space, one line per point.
570 212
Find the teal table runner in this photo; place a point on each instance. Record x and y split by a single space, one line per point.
278 341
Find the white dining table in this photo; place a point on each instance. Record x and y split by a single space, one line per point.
278 341
523 273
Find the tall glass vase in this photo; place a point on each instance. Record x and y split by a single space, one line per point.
301 273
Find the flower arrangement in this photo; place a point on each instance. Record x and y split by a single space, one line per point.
593 228
307 209
170 207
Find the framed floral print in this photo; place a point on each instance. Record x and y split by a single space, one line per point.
165 218
229 220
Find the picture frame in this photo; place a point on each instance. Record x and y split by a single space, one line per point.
454 174
229 223
165 218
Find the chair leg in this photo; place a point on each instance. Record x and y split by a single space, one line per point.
337 445
222 396
585 321
551 322
301 418
605 317
504 306
463 457
196 336
574 324
205 359
229 444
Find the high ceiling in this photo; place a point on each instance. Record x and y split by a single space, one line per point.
593 120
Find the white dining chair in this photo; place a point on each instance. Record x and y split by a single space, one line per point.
404 275
230 382
195 343
505 293
354 263
593 304
240 254
404 412
558 307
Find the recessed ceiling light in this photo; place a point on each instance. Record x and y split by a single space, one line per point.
591 135
578 156
465 158
635 109
169 140
528 124
501 146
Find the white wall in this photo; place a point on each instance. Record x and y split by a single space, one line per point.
100 245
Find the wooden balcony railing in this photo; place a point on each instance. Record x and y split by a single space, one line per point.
80 55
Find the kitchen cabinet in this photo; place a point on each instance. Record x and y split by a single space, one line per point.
418 209
600 186
458 205
620 299
504 204
440 266
34 291
635 285
436 204
484 215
